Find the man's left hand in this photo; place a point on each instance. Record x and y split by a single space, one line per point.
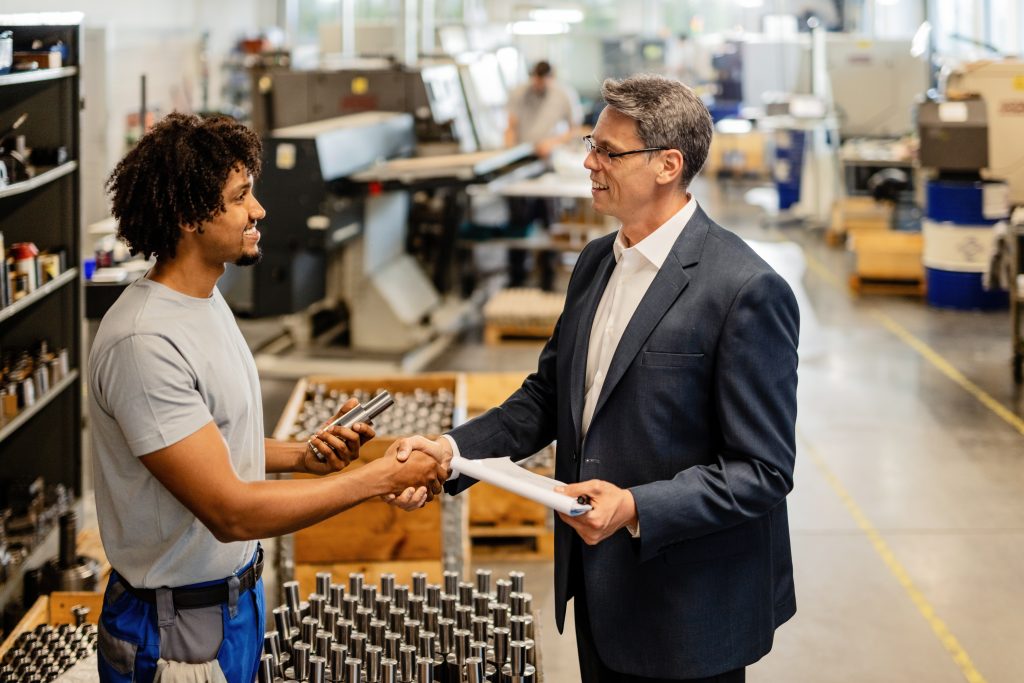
612 509
336 446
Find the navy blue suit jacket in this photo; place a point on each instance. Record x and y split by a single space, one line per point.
697 418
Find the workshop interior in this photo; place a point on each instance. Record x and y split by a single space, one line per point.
870 151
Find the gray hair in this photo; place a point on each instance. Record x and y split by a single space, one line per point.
667 114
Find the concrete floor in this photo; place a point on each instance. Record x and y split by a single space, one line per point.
907 515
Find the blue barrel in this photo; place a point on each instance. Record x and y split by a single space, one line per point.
963 202
957 236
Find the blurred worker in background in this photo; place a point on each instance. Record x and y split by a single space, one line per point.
545 113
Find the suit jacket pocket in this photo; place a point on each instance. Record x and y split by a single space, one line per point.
728 543
660 359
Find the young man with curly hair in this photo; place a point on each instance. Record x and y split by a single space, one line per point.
177 424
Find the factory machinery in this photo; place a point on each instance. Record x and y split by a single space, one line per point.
365 191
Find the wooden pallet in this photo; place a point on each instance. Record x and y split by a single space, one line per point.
512 543
862 285
496 333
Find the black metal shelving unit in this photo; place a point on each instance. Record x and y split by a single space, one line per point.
45 439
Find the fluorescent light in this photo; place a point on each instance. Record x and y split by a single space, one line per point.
750 4
538 28
565 16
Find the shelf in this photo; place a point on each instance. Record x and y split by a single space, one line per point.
24 416
40 293
44 178
38 75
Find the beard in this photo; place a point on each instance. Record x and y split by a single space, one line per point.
250 259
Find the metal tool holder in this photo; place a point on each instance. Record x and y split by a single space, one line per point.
453 632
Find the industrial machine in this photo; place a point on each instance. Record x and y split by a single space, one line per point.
431 93
310 211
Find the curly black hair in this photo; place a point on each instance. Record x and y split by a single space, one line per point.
175 176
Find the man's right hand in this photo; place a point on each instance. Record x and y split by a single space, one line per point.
440 449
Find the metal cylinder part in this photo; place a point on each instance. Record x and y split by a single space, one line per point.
451 582
499 614
412 631
479 629
343 632
503 588
401 597
433 595
419 584
337 595
481 603
475 670
357 646
282 620
382 607
80 613
518 580
464 617
483 581
466 591
446 635
303 651
502 637
272 645
378 629
424 670
355 583
265 673
336 662
415 607
407 662
387 585
368 595
317 603
374 654
349 607
392 645
363 616
323 583
449 603
291 596
388 670
427 644
430 617
396 620
518 604
353 669
317 669
310 626
517 657
323 642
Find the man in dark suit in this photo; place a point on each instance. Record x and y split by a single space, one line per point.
670 386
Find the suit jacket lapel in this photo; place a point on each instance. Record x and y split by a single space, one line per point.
668 284
582 345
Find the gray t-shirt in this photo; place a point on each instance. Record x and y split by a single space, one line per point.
162 366
547 115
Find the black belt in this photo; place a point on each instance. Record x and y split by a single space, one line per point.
205 596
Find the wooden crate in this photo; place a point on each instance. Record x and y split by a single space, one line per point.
55 609
502 524
373 532
496 333
852 216
889 255
737 154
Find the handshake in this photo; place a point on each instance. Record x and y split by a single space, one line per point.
413 469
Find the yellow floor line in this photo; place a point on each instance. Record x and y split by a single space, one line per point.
939 628
927 352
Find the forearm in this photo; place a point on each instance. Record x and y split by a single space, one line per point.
284 456
260 509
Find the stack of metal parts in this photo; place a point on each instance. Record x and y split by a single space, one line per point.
414 412
28 510
47 652
456 632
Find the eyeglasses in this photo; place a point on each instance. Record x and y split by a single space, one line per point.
604 154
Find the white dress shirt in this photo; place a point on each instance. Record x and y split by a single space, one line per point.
635 269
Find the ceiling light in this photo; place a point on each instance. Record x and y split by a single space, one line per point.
538 28
565 16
